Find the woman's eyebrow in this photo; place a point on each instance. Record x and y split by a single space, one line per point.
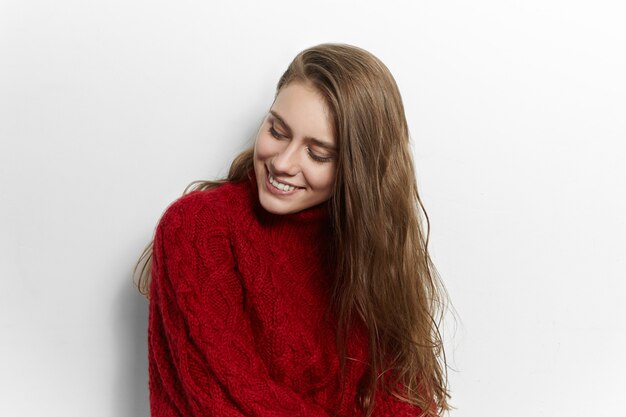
315 141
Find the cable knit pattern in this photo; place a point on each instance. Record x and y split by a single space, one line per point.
239 321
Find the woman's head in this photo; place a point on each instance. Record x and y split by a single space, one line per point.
349 98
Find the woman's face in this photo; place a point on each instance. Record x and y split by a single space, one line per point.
295 153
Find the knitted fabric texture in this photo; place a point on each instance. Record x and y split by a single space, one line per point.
240 321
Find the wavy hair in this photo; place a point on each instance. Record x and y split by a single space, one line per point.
385 277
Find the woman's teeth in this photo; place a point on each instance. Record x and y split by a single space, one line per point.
280 185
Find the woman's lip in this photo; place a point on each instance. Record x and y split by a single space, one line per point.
269 187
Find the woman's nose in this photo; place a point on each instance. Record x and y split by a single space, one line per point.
287 160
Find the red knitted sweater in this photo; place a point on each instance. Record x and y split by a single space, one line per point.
239 320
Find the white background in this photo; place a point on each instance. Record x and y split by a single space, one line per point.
108 109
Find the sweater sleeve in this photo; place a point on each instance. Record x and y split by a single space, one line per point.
203 360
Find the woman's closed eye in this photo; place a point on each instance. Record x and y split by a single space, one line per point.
276 133
317 157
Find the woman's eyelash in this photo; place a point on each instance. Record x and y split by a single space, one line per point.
318 158
275 133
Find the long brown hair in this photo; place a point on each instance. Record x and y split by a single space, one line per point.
385 276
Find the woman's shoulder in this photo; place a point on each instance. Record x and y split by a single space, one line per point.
209 208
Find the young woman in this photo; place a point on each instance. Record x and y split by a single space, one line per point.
301 284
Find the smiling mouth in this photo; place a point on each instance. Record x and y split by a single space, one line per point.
279 185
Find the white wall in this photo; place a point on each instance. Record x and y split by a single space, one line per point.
108 109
